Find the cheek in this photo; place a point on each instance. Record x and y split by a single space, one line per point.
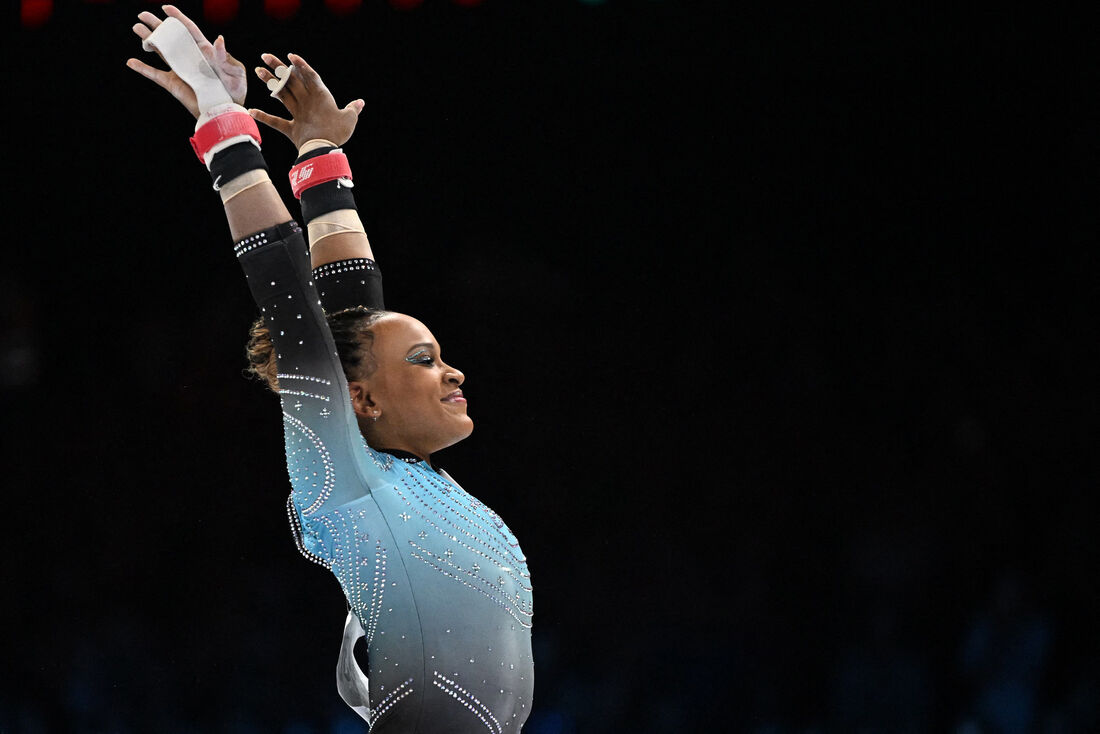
415 395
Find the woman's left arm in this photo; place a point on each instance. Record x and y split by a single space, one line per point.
341 256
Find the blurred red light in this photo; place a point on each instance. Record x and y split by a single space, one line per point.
220 11
33 13
343 7
281 9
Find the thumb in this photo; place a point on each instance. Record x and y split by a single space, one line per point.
275 123
218 51
355 106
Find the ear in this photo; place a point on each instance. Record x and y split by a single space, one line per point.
361 401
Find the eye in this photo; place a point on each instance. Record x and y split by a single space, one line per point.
421 357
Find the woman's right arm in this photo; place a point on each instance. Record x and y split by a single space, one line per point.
325 456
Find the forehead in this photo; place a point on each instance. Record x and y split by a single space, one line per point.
399 332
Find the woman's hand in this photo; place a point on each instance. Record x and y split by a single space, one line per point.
314 110
230 71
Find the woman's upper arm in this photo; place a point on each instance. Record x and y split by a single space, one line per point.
323 445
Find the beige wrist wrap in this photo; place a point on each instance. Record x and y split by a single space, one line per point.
337 222
241 183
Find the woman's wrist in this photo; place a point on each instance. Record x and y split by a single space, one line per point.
314 144
325 188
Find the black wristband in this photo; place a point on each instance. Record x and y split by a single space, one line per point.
234 161
326 197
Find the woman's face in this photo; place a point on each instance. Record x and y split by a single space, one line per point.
414 393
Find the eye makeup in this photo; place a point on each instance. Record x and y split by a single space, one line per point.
420 356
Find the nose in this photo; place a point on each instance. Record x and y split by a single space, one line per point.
454 376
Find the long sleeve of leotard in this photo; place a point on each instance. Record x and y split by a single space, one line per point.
328 462
349 283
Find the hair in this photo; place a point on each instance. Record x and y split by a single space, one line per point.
351 330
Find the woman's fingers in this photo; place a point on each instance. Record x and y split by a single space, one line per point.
310 78
189 24
272 60
148 19
160 77
275 123
294 83
286 95
220 54
169 81
149 23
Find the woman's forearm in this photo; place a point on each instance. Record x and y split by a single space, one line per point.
255 209
334 229
318 128
343 246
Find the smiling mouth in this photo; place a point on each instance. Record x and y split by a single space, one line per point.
455 397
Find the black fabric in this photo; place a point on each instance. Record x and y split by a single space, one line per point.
326 197
287 231
349 283
234 161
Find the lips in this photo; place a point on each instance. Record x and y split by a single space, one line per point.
455 397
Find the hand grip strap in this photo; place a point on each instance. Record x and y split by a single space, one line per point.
174 43
330 167
230 125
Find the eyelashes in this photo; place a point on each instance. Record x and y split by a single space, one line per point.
421 357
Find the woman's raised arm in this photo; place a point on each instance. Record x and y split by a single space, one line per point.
326 457
247 210
317 127
344 268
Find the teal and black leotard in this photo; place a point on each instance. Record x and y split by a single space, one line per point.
435 581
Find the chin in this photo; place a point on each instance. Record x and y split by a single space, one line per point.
465 431
460 433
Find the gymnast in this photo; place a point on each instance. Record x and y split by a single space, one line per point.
435 582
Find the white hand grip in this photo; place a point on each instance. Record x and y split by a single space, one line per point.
174 42
282 76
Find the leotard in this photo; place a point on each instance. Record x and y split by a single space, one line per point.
436 582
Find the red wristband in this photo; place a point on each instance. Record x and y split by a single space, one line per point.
318 170
223 127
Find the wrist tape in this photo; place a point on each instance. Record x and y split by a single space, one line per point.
325 197
312 145
243 183
337 222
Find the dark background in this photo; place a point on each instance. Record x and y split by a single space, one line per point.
778 329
